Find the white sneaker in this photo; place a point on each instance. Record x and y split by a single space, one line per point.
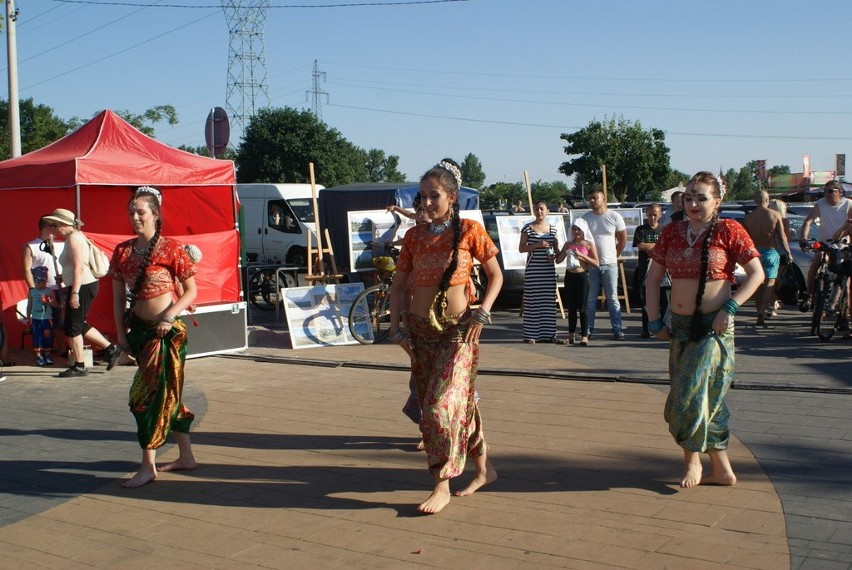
2 377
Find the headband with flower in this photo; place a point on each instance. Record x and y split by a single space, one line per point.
722 189
453 169
150 190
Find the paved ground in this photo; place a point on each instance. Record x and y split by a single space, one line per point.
308 462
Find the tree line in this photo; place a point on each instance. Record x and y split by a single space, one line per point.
278 143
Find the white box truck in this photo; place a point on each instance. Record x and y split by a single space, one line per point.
276 221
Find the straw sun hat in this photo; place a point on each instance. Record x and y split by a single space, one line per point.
64 217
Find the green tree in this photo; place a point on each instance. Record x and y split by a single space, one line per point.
550 192
381 168
279 143
39 127
472 174
502 195
227 154
144 123
637 161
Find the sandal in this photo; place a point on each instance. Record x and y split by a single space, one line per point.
529 341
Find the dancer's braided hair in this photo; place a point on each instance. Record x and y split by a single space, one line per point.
448 174
696 328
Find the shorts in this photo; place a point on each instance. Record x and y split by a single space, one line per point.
771 261
75 319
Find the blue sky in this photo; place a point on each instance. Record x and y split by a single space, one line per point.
728 81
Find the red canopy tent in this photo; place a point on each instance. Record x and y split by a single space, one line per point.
94 172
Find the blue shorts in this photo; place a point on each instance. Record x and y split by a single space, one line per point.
771 261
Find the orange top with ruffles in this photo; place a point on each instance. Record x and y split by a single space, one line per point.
169 262
729 245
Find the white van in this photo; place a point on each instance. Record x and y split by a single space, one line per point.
276 220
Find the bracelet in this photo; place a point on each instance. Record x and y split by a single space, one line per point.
75 292
481 316
168 319
731 307
655 326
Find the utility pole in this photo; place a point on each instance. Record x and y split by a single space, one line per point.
317 92
247 90
12 65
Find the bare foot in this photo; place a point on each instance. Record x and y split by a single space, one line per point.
489 475
439 499
180 465
725 478
145 475
421 445
691 475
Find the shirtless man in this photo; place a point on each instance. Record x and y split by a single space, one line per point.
766 228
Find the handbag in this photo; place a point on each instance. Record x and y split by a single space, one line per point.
98 261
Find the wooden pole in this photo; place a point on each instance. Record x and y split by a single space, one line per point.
529 189
603 171
320 267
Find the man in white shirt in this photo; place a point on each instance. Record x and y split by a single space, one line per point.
832 211
610 235
36 253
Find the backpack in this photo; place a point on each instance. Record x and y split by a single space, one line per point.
98 261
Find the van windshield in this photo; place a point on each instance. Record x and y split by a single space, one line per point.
303 209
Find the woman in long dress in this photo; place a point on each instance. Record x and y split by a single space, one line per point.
538 241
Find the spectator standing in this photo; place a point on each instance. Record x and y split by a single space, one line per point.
580 254
538 241
80 290
644 240
40 304
609 232
832 211
39 252
675 212
766 229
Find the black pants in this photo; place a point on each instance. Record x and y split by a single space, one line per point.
576 293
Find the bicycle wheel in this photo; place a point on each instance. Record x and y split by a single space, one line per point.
269 288
369 317
254 291
825 312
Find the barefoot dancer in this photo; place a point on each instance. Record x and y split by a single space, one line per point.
700 253
151 264
443 332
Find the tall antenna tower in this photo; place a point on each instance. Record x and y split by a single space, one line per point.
317 92
247 88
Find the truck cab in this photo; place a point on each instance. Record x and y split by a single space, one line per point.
276 221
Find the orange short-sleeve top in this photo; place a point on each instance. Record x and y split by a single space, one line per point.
425 256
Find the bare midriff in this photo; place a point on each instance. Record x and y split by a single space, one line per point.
423 297
153 309
716 292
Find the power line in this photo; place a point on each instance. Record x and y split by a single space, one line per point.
574 128
344 5
599 105
785 80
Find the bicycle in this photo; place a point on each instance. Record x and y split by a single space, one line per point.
263 284
369 316
831 288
